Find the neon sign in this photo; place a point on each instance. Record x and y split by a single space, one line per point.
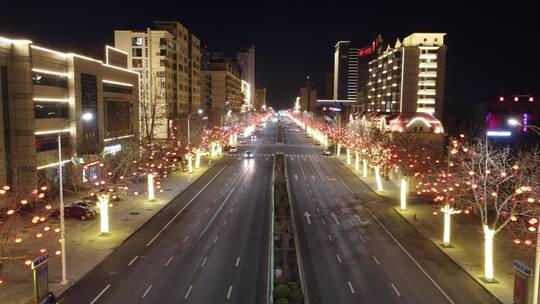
365 51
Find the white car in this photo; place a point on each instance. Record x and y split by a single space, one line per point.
327 152
233 149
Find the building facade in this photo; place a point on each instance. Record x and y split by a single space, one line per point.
221 91
308 99
43 95
246 61
260 99
345 71
168 59
409 77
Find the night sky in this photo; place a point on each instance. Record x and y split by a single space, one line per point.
492 49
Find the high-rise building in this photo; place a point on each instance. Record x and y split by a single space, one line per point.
345 71
260 99
246 61
167 57
308 99
409 77
44 93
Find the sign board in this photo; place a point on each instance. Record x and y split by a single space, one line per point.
522 268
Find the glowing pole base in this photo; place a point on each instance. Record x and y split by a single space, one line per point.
378 178
151 195
488 254
447 211
104 213
198 159
364 168
190 167
338 151
348 157
357 163
403 196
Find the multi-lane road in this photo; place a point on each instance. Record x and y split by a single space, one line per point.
210 244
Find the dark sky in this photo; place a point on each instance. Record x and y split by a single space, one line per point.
492 48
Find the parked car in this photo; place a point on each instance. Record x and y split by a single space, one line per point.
92 205
327 152
253 137
248 154
233 149
75 211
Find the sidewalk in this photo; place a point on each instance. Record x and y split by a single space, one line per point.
467 240
85 248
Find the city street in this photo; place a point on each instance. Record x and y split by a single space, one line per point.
348 255
208 245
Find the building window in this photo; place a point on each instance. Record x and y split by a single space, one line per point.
136 63
136 52
115 88
162 62
89 104
49 80
51 110
162 42
137 41
163 52
49 142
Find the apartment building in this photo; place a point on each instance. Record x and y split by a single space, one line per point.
409 77
168 59
246 61
260 99
44 94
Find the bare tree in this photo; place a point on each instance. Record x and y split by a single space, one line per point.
153 107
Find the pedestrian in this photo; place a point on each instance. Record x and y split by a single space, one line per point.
414 217
51 299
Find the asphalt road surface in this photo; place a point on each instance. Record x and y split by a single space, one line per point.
354 247
209 245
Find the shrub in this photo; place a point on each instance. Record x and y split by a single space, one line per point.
281 301
281 291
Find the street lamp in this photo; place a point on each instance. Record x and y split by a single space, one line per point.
199 112
85 117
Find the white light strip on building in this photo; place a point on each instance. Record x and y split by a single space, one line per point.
49 50
53 164
422 119
115 49
44 99
119 68
50 72
118 83
119 137
15 41
402 77
51 132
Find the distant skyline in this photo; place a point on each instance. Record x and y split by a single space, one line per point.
491 50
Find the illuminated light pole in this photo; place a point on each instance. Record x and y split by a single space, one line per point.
357 162
104 213
364 168
338 150
378 178
151 194
190 167
403 192
213 149
85 117
348 156
448 211
488 253
197 159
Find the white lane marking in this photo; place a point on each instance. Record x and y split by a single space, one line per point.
362 239
335 218
237 261
189 203
302 169
169 261
324 223
335 198
395 289
296 177
339 258
411 257
147 291
330 238
310 191
229 292
376 261
204 261
224 223
197 223
308 217
216 239
313 177
188 291
100 294
318 210
185 239
232 210
351 288
133 260
207 209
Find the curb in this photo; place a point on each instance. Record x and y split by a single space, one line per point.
270 283
450 258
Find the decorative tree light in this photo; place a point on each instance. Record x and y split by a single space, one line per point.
378 178
447 211
348 156
104 212
488 253
213 150
235 139
364 168
231 140
197 159
403 192
357 162
338 150
151 194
